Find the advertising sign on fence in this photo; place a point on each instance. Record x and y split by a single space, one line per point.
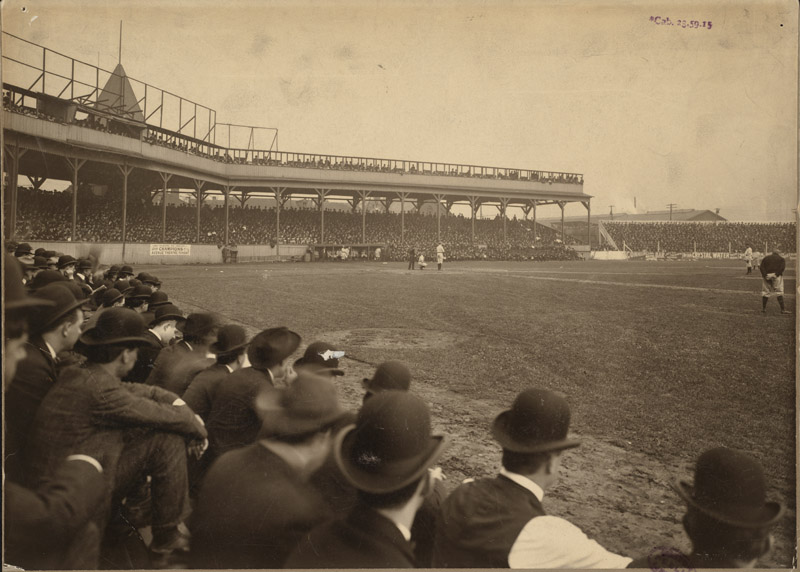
170 249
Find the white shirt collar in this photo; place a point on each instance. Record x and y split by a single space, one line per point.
230 369
404 531
156 334
51 350
525 482
188 345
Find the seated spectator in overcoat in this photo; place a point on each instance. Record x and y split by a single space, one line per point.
160 333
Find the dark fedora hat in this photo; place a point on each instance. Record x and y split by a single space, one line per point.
117 326
110 297
46 277
23 249
306 406
230 338
390 375
39 262
123 286
157 298
63 302
140 292
14 293
272 346
126 271
390 446
321 357
66 260
84 264
537 422
730 487
198 324
167 312
114 269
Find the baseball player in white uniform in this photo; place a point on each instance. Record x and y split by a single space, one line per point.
439 255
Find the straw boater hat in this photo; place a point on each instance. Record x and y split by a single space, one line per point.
537 422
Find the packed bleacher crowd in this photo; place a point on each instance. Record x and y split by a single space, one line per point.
124 415
702 236
200 148
47 216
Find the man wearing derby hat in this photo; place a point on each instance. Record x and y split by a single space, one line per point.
233 421
389 376
125 272
178 363
134 429
255 503
83 271
66 265
156 299
320 358
162 330
24 253
46 527
500 522
728 518
386 456
54 329
138 299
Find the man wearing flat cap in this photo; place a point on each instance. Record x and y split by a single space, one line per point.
137 430
500 522
54 329
387 456
728 518
233 421
178 363
255 503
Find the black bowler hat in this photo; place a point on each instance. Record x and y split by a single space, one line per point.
117 326
63 303
123 286
157 298
537 422
66 260
140 292
230 338
110 297
306 406
321 357
114 269
391 444
40 262
46 277
14 293
272 346
167 312
390 375
84 264
199 325
23 249
39 251
126 271
730 487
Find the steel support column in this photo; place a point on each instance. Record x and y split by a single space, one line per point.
125 170
278 192
198 193
403 197
226 191
321 194
588 205
14 154
165 177
562 204
75 164
439 199
503 209
364 195
474 204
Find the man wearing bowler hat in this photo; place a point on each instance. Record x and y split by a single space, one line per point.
728 518
66 265
500 522
136 430
179 363
156 299
162 330
24 253
233 421
255 503
54 329
386 456
389 376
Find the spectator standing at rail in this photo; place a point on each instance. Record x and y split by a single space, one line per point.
748 258
500 522
439 255
728 518
772 268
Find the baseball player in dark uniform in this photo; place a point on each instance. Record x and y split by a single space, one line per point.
772 268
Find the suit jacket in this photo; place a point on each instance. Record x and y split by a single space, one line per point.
50 528
233 421
200 393
365 539
36 375
89 410
176 365
145 361
251 512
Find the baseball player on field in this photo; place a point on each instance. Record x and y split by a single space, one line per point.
439 255
748 257
772 268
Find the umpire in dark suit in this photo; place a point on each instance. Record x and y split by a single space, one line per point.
386 456
255 503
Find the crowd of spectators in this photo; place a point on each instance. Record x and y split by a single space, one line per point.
207 150
678 236
47 215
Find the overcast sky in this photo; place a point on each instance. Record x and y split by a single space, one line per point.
704 118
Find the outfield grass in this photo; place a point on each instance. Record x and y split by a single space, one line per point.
665 359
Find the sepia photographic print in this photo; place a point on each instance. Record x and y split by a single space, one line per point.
438 284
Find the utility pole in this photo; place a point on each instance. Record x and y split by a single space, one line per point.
612 211
670 205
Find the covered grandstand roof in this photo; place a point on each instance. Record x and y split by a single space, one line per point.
686 215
